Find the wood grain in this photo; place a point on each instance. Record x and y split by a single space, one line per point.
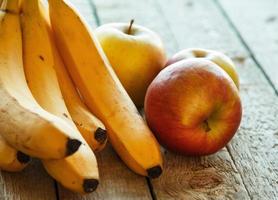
31 183
257 23
254 148
123 11
87 11
213 177
116 180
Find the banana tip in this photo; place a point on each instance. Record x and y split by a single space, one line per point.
154 172
72 146
90 185
101 135
22 157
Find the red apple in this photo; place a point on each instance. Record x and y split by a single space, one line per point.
193 107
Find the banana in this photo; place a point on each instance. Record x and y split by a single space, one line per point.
11 160
103 92
78 172
24 124
91 128
12 6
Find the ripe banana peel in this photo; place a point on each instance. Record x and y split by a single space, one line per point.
24 124
78 172
12 6
103 92
11 160
91 128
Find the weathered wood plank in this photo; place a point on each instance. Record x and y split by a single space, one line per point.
86 9
123 11
116 180
31 183
258 26
254 149
213 177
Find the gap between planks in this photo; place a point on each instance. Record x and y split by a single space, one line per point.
257 63
94 11
242 179
56 189
246 46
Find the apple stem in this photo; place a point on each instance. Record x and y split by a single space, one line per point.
206 126
130 26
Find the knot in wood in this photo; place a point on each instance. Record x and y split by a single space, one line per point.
205 179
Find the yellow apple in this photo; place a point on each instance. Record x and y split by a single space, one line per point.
218 58
193 107
136 54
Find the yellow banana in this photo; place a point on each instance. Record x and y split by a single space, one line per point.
91 128
12 6
103 92
24 124
11 160
78 172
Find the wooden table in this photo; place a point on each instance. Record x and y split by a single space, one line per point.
247 168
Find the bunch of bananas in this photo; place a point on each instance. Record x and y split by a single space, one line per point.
53 76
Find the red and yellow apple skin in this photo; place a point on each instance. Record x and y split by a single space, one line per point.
193 107
217 57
